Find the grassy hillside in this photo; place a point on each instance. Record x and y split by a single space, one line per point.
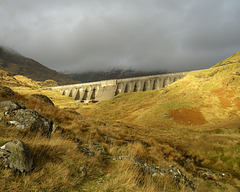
192 124
203 97
232 59
16 64
60 166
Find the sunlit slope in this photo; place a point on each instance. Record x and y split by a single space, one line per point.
206 96
232 59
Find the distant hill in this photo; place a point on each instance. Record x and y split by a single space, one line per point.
113 74
16 64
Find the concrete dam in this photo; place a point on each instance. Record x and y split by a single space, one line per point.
104 90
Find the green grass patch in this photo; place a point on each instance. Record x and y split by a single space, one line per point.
2 143
210 86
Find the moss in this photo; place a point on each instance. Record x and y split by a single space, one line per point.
2 142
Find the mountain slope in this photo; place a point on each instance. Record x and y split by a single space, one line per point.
202 97
127 157
113 74
232 59
16 64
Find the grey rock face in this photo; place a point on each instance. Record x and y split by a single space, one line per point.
30 120
16 155
11 105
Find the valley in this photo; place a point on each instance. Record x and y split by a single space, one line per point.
183 137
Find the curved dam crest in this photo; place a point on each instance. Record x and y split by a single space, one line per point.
104 90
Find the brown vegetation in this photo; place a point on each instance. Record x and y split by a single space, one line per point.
192 124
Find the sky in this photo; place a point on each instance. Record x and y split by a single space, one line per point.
147 35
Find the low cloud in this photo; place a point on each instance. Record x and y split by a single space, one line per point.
71 35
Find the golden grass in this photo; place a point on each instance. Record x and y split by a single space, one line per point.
232 59
213 92
144 117
58 162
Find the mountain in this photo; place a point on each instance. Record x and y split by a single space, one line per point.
16 64
113 74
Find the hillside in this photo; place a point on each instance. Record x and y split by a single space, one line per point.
184 137
16 64
232 59
203 97
112 74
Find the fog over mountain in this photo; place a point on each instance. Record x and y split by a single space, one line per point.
81 35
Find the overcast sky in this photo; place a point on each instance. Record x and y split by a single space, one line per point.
82 35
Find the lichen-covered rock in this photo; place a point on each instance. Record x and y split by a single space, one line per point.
6 92
30 120
17 155
11 105
44 98
50 83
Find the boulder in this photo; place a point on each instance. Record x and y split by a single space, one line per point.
6 92
44 98
11 105
50 83
29 119
17 155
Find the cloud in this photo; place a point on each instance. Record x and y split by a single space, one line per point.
80 35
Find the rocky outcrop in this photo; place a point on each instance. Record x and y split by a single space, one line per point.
43 98
28 119
50 83
6 92
17 156
12 105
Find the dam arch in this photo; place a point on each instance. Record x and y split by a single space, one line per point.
103 90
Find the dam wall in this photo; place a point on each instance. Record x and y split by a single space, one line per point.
104 90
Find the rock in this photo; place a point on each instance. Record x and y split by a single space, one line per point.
50 83
30 120
56 128
85 150
44 98
6 92
178 177
83 170
16 155
101 180
99 148
11 105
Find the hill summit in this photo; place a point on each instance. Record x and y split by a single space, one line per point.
16 64
232 59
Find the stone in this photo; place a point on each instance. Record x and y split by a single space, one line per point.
11 105
83 170
43 98
56 128
17 156
6 92
50 83
85 150
29 119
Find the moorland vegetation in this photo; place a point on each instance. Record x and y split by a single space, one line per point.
184 137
